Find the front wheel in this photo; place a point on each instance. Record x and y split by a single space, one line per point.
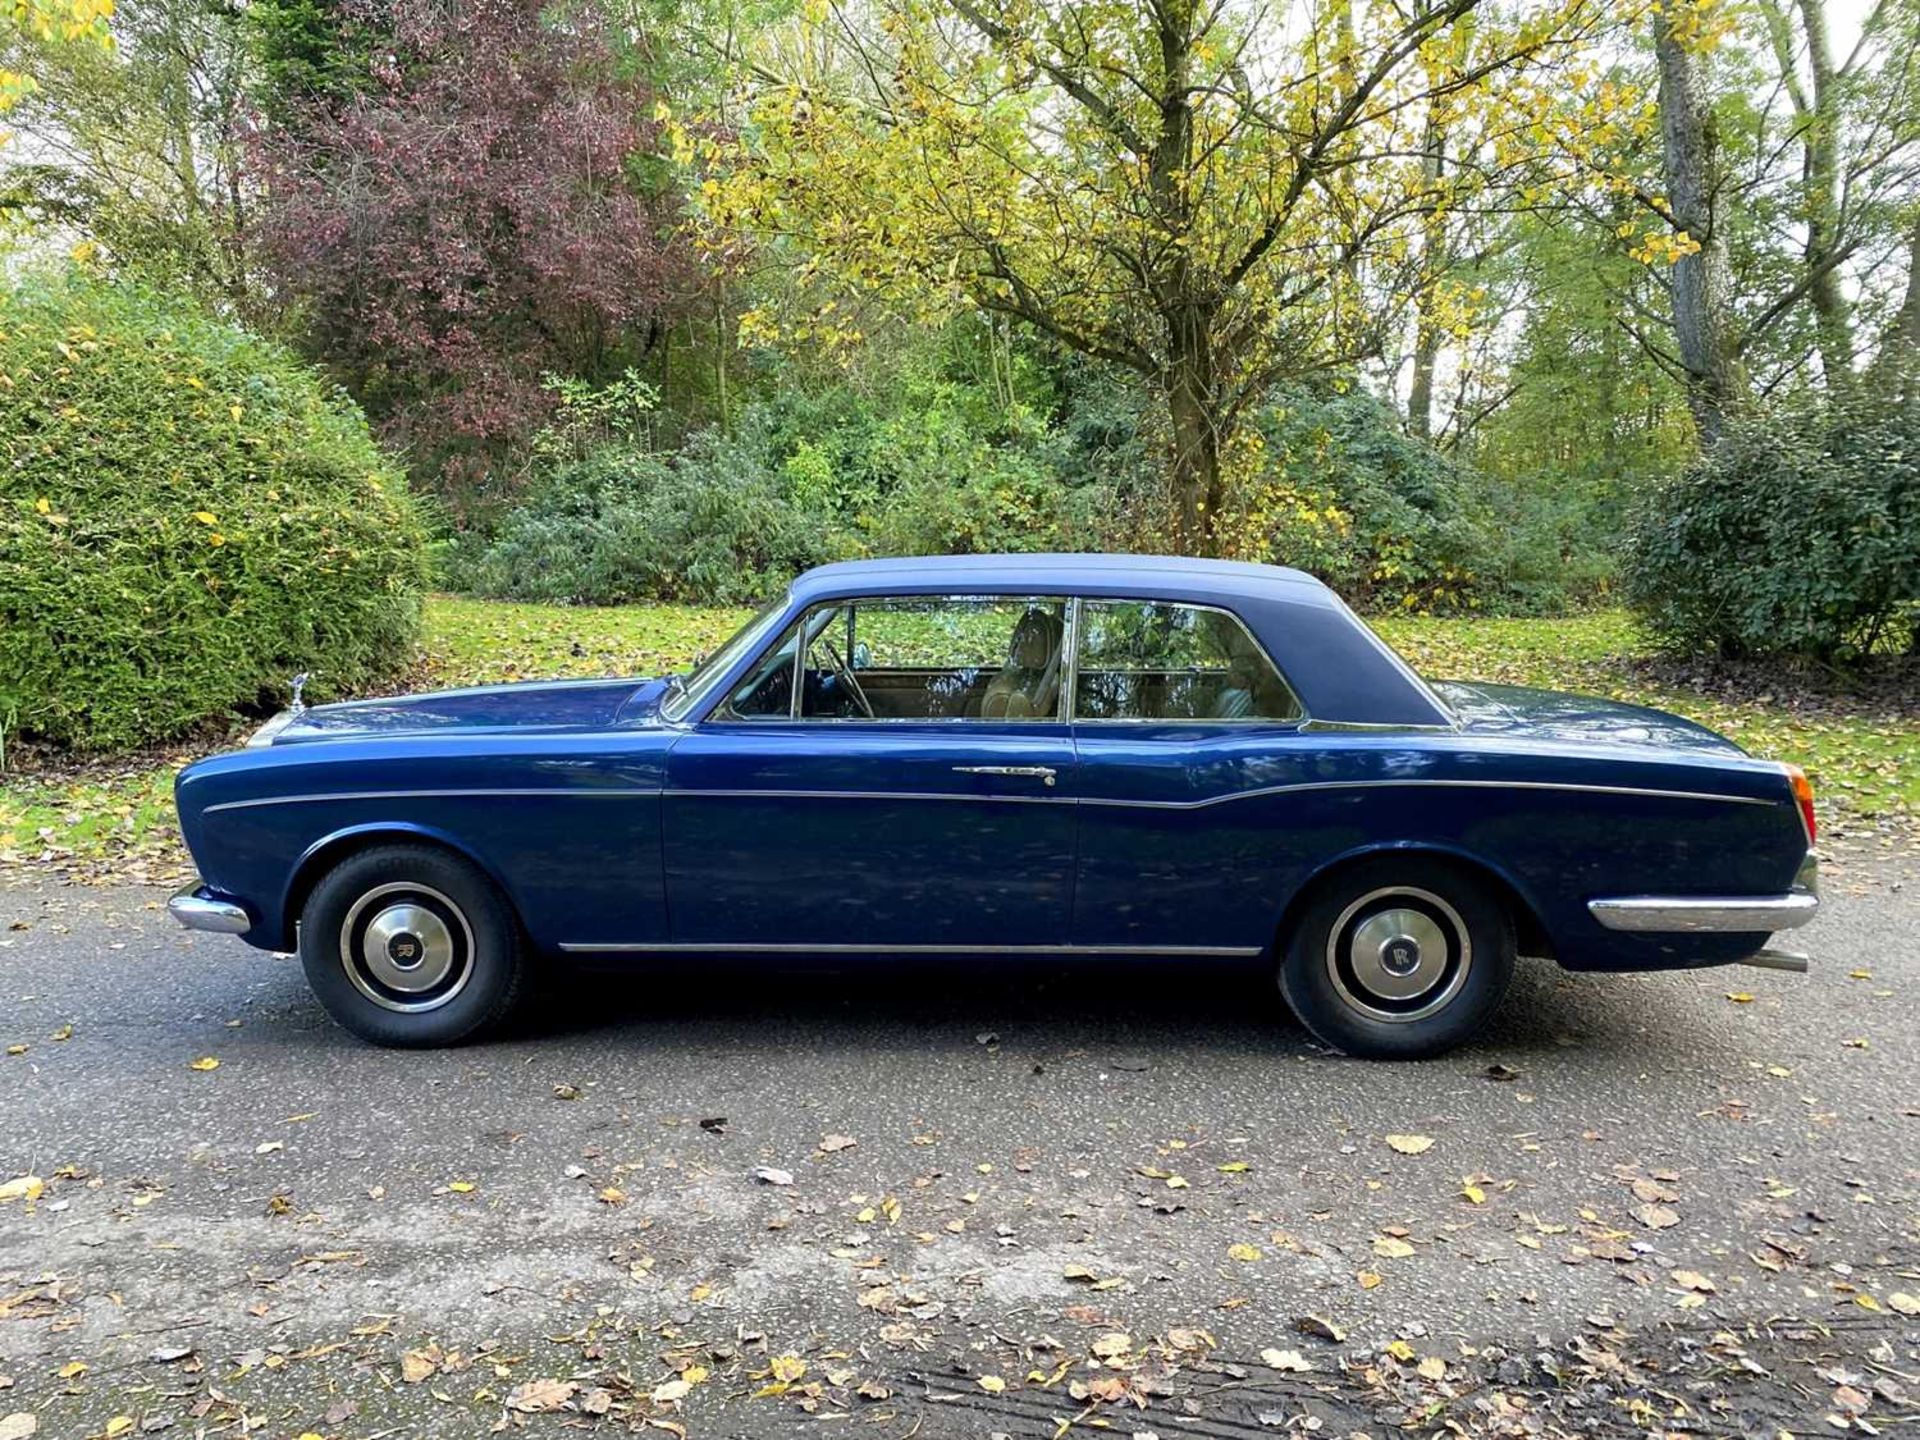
407 945
1398 959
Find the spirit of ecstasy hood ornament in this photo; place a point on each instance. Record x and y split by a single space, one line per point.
299 685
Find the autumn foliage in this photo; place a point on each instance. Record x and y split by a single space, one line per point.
467 218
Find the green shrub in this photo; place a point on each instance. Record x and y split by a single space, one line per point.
187 517
1799 533
621 525
1330 482
946 491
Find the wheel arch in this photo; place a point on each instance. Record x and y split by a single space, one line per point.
331 849
1530 931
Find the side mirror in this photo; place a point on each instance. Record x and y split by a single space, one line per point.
862 656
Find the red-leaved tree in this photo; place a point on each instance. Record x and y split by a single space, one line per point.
467 219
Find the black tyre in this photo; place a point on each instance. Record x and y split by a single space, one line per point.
407 945
1398 959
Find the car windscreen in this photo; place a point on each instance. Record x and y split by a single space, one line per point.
693 690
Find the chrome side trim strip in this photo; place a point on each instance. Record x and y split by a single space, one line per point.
1705 914
729 947
198 908
867 795
555 793
550 791
1448 784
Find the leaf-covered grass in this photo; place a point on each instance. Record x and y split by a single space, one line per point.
114 820
482 642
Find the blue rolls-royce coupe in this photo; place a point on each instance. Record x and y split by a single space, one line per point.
990 756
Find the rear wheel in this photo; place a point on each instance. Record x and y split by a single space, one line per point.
1398 958
408 945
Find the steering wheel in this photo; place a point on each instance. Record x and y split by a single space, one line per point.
844 671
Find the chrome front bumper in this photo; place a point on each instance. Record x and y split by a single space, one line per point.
1714 914
199 908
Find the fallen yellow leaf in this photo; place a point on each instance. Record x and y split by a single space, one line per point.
1410 1144
205 1062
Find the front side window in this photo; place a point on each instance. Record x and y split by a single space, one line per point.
1154 660
914 658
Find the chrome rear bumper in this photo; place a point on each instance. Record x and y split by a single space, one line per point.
1715 914
199 908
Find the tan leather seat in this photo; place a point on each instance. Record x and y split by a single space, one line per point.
1028 686
1238 694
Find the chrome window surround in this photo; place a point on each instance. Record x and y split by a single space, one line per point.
1297 721
722 712
1065 708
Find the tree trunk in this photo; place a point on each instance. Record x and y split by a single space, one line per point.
1833 320
1193 408
1190 380
1702 314
1433 264
1426 357
1896 369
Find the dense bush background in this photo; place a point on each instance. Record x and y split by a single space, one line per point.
187 517
923 456
1798 533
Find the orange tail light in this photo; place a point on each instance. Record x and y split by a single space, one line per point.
1803 792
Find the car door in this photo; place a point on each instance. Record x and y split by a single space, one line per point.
1185 732
894 774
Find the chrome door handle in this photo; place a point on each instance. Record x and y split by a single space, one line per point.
1044 773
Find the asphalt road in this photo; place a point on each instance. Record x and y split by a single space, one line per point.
1099 1192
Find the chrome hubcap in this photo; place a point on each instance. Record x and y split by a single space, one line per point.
406 947
1398 954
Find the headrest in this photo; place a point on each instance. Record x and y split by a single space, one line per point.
1035 640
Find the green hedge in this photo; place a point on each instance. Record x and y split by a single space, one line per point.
188 515
1798 533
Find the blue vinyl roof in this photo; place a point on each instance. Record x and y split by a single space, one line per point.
1070 572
